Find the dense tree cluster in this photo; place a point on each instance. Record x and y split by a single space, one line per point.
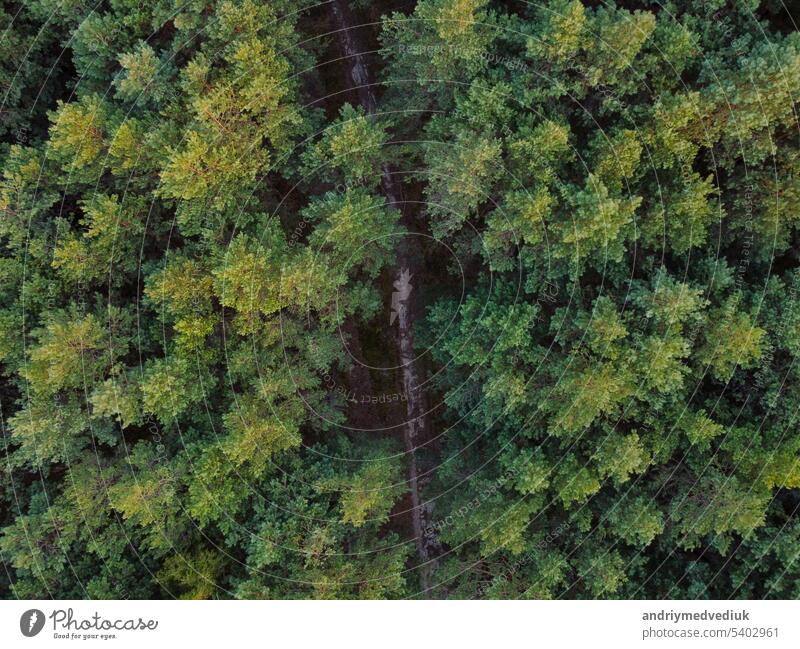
200 393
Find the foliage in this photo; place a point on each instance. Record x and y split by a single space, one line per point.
197 259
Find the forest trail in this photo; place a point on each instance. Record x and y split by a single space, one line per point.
416 428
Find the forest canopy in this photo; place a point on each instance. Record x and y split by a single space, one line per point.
456 299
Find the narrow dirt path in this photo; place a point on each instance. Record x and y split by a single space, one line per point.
416 426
